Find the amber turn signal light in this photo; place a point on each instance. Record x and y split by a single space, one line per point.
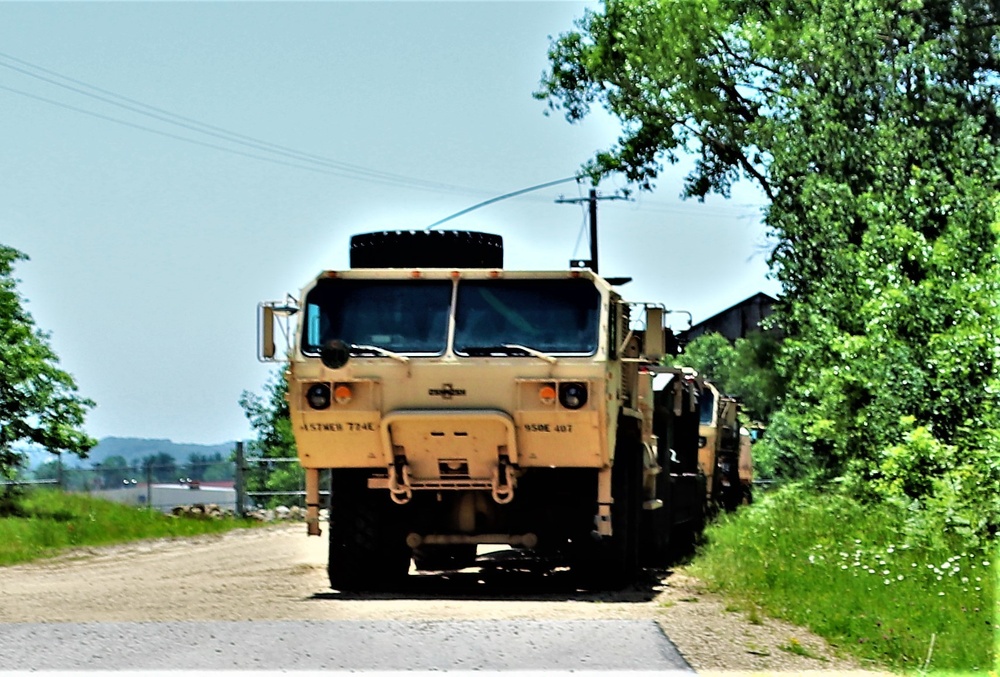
547 394
342 393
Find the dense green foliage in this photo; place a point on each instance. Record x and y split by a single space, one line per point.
872 127
39 403
744 369
272 424
859 578
49 521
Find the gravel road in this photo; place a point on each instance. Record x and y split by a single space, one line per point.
232 596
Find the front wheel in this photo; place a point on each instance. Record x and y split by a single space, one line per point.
613 563
368 548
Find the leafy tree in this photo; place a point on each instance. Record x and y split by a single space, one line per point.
744 369
223 470
712 356
872 128
208 467
49 470
39 403
160 467
196 466
114 470
270 419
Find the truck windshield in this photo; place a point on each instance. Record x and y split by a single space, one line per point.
707 407
403 316
552 316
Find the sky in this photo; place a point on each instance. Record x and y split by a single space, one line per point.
167 166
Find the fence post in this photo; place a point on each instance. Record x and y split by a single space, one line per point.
240 488
149 486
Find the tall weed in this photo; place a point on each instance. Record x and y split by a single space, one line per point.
859 576
50 521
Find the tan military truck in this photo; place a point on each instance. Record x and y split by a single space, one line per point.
724 454
457 403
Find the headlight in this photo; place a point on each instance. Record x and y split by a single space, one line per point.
572 395
318 396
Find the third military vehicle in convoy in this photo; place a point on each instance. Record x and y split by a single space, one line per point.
724 451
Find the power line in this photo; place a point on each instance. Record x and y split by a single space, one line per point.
174 136
344 169
503 197
293 158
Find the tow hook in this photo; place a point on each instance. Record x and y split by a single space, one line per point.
400 490
503 481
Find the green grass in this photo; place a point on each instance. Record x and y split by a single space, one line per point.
794 646
49 522
851 575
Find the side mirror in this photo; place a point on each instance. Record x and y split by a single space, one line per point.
268 313
265 332
654 340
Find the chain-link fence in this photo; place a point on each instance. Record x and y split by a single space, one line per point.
265 482
238 484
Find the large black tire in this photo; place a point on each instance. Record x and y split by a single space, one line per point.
368 548
686 535
654 542
730 487
613 563
427 249
627 493
732 497
444 557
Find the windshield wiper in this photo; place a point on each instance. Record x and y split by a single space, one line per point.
531 351
379 351
506 349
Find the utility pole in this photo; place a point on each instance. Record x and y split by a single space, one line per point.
592 198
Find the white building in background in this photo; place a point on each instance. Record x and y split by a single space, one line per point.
165 497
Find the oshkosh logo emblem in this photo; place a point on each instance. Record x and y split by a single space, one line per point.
446 391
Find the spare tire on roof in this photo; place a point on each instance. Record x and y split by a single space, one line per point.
427 249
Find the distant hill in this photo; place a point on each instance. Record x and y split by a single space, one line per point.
134 449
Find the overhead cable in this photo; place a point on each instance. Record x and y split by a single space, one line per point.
342 168
504 197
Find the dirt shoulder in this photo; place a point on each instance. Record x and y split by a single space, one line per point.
279 573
